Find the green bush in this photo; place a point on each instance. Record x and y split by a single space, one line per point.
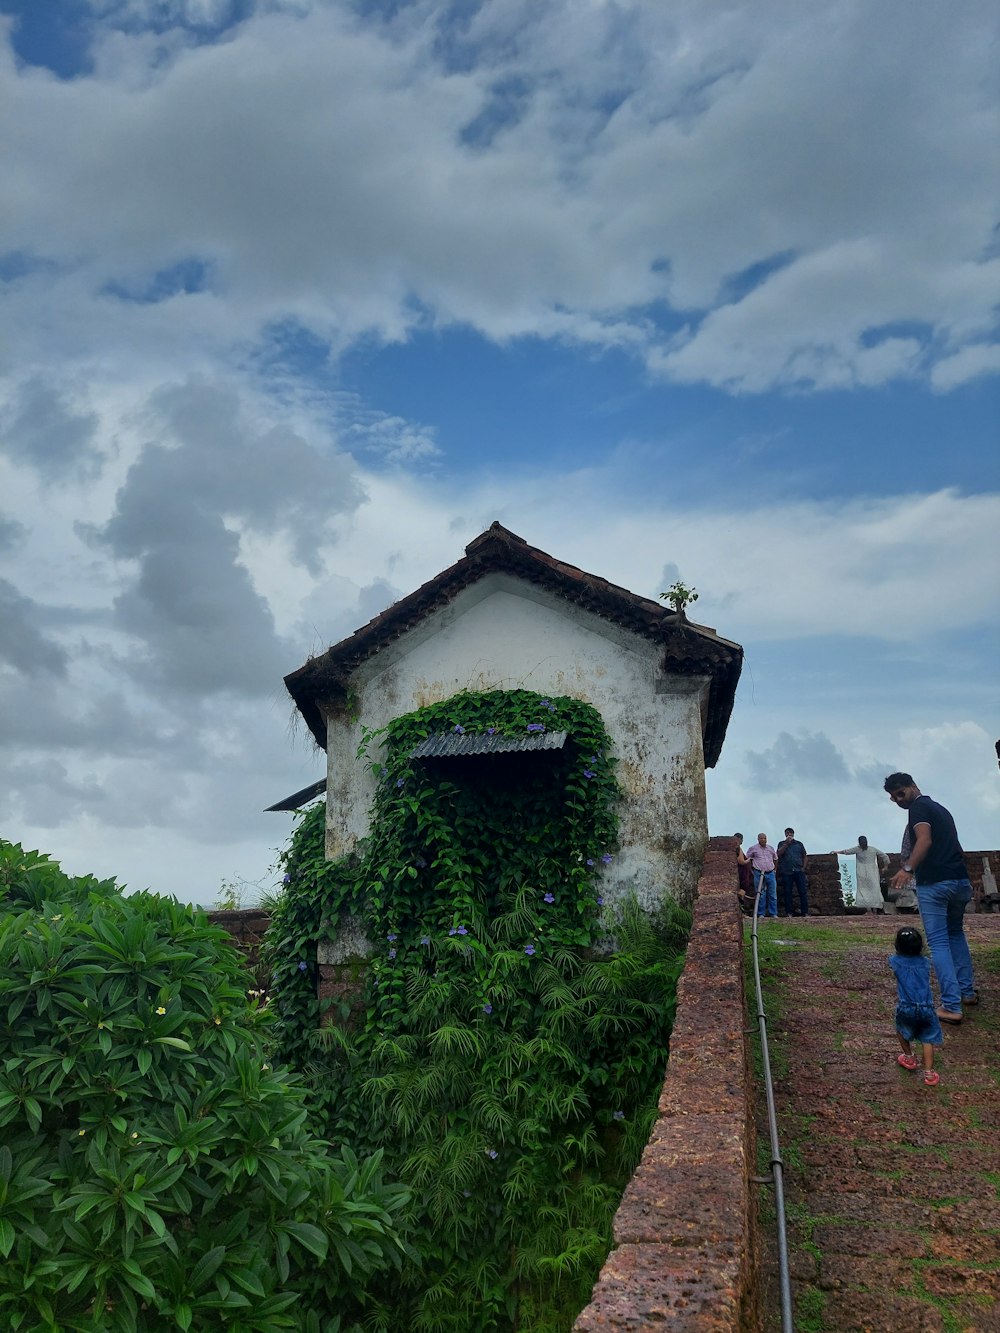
156 1172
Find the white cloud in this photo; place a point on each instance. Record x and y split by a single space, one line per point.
972 361
321 166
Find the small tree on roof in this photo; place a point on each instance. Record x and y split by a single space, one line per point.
679 595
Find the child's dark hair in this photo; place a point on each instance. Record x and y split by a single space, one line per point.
909 942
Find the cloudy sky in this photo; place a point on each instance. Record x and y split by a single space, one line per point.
299 295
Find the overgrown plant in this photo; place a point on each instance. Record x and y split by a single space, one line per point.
501 1055
156 1172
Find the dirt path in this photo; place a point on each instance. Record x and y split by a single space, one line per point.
892 1188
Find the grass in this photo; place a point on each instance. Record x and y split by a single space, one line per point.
829 950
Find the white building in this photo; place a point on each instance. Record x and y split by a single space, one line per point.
508 616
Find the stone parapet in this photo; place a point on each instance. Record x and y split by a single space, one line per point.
685 1245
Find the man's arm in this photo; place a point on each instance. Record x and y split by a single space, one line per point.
805 858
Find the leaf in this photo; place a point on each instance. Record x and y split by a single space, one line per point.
206 1266
308 1236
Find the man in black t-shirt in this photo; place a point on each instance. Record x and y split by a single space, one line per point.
792 862
943 891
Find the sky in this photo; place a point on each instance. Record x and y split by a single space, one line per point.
298 296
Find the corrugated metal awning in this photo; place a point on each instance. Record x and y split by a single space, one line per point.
458 744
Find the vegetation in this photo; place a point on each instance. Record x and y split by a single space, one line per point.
505 1060
679 595
156 1171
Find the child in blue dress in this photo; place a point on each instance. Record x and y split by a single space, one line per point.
915 1016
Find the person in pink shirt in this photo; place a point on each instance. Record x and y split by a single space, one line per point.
764 858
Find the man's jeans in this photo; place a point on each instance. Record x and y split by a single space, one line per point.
769 895
942 907
798 879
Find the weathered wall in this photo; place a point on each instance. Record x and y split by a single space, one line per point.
685 1251
503 633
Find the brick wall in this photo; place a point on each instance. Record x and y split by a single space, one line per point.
248 926
974 865
685 1251
825 893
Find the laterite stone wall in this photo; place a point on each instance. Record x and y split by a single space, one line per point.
685 1245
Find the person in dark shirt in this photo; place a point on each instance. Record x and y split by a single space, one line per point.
943 891
792 862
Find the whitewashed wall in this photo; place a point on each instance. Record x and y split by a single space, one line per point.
505 634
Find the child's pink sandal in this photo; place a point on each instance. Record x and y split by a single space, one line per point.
931 1077
907 1061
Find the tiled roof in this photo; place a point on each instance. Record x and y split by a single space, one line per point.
688 649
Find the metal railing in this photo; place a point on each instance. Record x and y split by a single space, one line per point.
777 1168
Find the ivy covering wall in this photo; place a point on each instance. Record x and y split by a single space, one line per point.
505 1059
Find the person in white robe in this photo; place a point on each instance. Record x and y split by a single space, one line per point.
870 861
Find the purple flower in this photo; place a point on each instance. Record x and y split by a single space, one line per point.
589 773
593 758
453 931
461 931
589 861
400 782
459 731
303 966
600 901
491 731
392 953
391 936
549 898
287 879
536 726
493 1154
618 1115
425 939
487 1009
529 949
607 858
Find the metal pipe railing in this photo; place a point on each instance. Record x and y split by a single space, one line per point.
777 1168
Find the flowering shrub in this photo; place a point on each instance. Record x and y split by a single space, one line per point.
156 1171
506 1062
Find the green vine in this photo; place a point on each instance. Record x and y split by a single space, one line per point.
501 1053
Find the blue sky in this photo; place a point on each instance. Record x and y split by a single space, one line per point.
300 295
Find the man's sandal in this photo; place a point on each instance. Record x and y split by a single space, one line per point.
946 1016
907 1061
970 1000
